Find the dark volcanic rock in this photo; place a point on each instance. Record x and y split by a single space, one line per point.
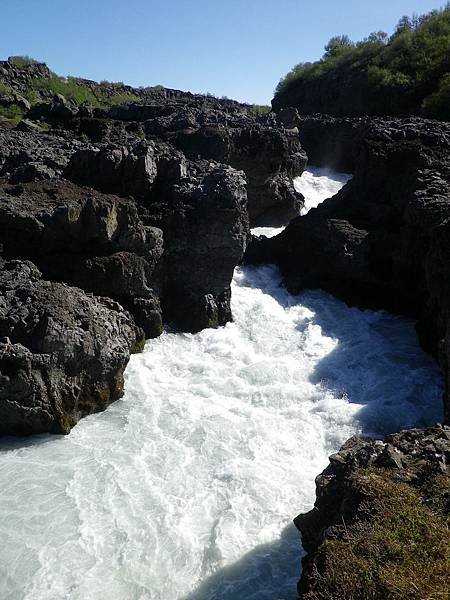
270 158
382 241
62 352
124 248
342 94
95 241
267 150
146 203
332 142
28 156
380 502
207 227
138 170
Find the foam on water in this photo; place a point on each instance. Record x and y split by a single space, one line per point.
186 488
316 184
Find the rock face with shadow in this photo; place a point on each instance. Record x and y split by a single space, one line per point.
164 246
267 149
331 141
94 241
146 204
379 525
382 241
62 351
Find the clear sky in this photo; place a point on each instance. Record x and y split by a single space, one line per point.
234 48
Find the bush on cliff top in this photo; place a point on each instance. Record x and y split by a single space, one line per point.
77 91
11 114
407 73
20 62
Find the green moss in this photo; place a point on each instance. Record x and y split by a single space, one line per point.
140 343
397 548
43 126
11 114
5 90
65 424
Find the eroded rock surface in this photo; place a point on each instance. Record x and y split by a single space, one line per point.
62 351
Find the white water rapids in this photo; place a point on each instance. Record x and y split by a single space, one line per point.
186 488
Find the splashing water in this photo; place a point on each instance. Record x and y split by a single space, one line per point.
185 489
316 184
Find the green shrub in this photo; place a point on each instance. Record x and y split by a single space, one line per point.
5 90
20 62
261 109
437 105
79 93
411 66
11 114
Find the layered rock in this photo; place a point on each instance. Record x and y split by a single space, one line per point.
379 525
95 241
382 241
267 150
62 351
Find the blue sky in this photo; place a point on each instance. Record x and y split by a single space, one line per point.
237 48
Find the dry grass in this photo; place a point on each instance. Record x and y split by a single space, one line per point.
397 548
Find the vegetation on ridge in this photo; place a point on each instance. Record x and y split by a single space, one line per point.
41 85
406 73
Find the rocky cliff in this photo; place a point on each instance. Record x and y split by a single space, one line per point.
383 240
134 213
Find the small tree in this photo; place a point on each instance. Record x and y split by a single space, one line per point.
404 24
377 37
337 46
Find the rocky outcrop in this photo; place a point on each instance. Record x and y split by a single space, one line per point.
25 156
382 241
333 142
267 149
270 158
62 351
207 225
378 528
125 247
95 241
340 93
129 218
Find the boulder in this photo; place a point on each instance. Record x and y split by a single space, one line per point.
62 352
